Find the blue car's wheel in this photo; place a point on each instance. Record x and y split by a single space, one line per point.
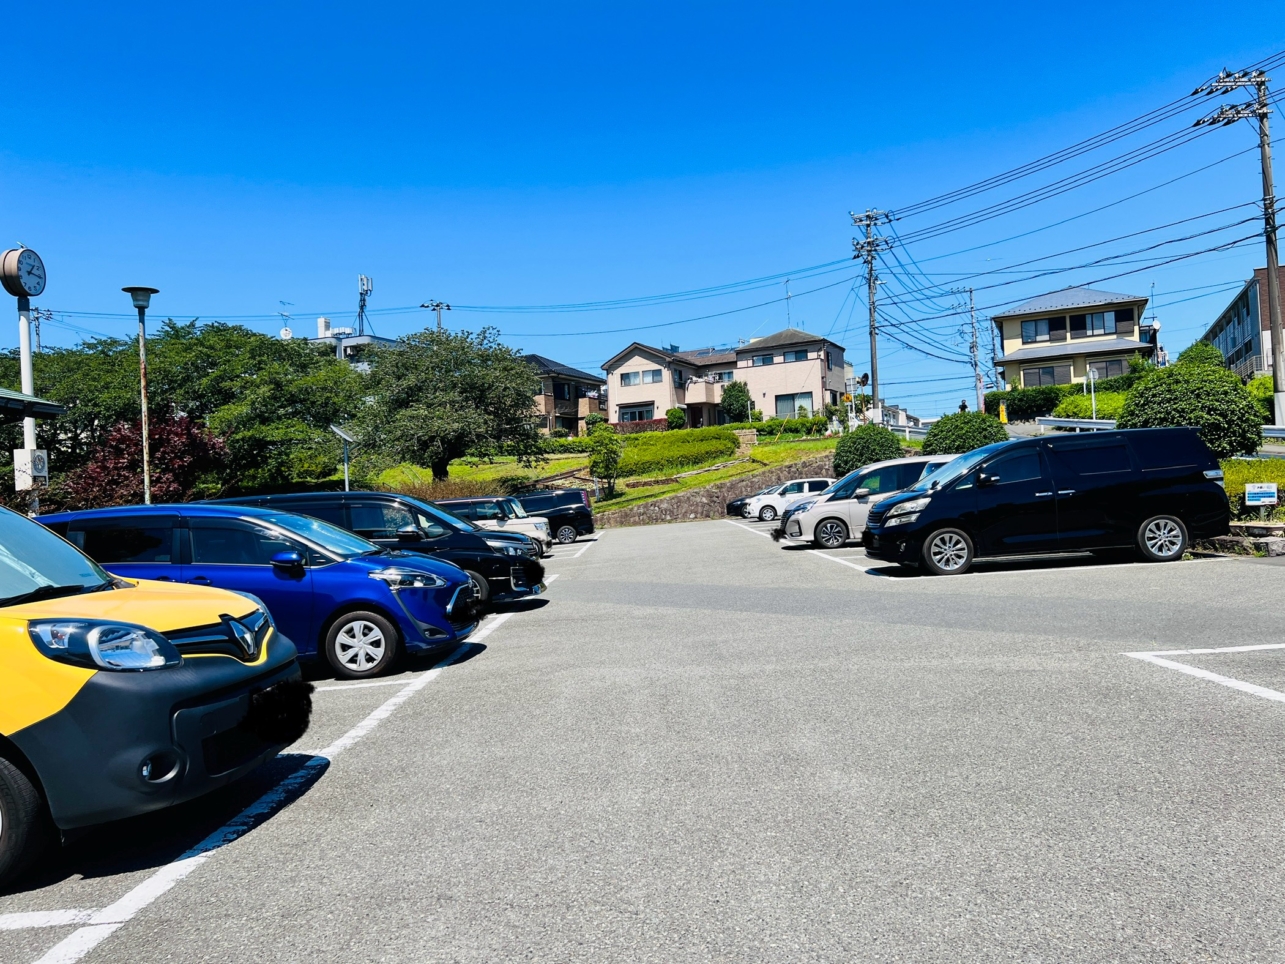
361 644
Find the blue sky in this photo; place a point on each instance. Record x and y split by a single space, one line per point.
525 155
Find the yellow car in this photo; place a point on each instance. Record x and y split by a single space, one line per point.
121 696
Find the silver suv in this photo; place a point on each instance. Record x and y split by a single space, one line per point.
838 514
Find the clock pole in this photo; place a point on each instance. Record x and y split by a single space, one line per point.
24 365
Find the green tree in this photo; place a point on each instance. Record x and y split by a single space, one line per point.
736 401
869 443
605 451
594 419
441 395
1261 390
1199 394
1200 353
963 432
676 417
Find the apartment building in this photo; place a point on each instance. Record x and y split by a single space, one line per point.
1057 338
567 395
1243 331
784 372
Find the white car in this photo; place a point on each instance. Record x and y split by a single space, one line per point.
503 514
770 503
839 513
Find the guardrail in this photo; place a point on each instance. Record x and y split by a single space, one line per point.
1079 424
1274 431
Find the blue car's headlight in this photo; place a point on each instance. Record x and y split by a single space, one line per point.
398 578
103 644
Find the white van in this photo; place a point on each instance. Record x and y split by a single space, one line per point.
839 513
770 503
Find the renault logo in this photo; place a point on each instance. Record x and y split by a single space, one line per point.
243 635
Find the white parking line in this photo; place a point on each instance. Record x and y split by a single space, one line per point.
44 918
842 562
741 525
1157 657
549 579
101 924
586 548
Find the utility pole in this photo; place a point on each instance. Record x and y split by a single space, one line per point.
972 350
1228 114
36 315
439 307
866 249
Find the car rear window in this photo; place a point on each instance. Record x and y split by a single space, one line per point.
1095 459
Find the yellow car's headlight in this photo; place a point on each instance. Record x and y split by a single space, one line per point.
103 644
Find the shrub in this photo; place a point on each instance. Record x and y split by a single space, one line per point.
605 451
1200 353
1081 406
869 443
559 433
592 419
756 415
666 452
796 426
1236 472
736 401
1212 399
1261 390
676 418
565 446
1118 383
1024 404
963 432
648 425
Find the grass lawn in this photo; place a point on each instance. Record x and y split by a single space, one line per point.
466 470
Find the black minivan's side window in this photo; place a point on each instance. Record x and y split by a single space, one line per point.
151 541
379 520
1096 459
326 512
1018 467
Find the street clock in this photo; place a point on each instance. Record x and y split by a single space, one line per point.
22 273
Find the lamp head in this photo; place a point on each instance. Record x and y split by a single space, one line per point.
142 296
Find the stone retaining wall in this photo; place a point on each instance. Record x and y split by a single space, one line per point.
711 501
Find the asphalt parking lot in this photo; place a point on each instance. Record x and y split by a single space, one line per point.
701 745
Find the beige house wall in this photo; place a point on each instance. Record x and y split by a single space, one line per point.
662 395
1080 351
765 382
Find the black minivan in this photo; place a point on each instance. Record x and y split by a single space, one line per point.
568 511
500 566
1153 490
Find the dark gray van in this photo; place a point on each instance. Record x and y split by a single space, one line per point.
1153 490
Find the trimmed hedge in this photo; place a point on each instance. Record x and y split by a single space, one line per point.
676 418
816 425
647 425
1024 404
1206 396
962 432
1236 472
565 446
667 451
1081 406
869 443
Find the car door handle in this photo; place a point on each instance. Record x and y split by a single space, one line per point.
1040 495
200 580
1066 491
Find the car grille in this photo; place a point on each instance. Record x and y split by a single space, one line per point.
224 638
464 609
876 516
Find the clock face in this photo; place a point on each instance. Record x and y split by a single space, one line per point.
31 272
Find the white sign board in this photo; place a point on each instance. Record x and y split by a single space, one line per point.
30 468
1260 493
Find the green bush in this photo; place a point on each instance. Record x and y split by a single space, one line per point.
559 433
736 401
963 432
1024 404
1081 406
1200 353
1120 383
606 452
1210 398
594 418
669 451
869 443
676 417
565 446
1261 390
1236 472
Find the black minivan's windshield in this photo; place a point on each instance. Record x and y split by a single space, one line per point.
334 540
960 467
36 564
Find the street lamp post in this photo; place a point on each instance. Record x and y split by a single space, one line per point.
142 298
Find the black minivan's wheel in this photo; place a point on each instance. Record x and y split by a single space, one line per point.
831 534
1162 538
767 513
566 534
948 552
481 588
361 644
23 831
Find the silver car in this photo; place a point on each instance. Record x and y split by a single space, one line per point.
838 514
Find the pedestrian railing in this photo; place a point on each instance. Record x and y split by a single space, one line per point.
1078 424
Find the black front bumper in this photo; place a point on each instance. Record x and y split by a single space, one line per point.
899 548
130 743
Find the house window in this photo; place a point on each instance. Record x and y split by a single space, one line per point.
762 360
639 413
678 378
1109 368
1047 375
1100 323
562 390
796 356
787 406
653 376
829 362
1036 330
723 376
629 378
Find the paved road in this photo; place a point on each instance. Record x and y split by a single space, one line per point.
703 746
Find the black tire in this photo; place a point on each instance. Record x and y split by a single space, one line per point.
767 513
360 645
24 829
830 534
1162 538
481 588
948 552
567 535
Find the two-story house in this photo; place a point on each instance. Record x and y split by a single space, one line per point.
1057 338
567 395
784 372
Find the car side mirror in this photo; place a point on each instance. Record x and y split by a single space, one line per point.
409 534
860 493
984 480
288 559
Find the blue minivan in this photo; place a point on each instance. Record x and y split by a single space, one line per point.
330 591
